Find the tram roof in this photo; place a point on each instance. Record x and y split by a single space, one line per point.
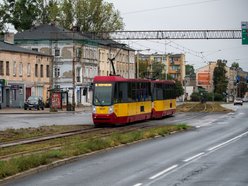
121 79
117 79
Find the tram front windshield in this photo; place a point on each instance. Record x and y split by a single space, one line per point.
102 94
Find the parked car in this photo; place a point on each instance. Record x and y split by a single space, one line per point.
35 102
238 101
245 99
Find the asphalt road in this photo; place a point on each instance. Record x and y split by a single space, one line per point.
215 153
36 120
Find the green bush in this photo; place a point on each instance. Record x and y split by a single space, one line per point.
218 97
195 96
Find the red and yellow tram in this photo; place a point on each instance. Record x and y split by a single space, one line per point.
117 100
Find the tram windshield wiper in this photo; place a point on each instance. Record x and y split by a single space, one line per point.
98 100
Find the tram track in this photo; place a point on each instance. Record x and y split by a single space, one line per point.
26 147
39 145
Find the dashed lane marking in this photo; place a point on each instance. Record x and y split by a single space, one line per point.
228 141
194 157
163 172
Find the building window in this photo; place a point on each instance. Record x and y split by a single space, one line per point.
57 72
78 74
7 68
35 49
78 52
47 71
57 52
14 68
28 69
41 70
36 70
20 69
1 68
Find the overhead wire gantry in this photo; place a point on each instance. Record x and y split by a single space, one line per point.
168 34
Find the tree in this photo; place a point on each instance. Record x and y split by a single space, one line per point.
88 15
158 69
219 79
190 71
50 11
22 14
179 89
143 68
97 16
235 65
66 14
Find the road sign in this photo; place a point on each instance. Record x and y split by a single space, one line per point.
244 26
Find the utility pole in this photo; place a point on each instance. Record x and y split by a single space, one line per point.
73 73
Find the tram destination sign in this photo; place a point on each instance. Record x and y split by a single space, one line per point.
244 26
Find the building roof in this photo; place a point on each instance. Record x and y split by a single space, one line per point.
54 32
48 32
13 48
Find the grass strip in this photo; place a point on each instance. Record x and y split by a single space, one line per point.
25 133
19 164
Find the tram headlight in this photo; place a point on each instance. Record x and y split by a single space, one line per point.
94 109
111 109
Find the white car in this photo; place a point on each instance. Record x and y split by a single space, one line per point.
238 101
245 99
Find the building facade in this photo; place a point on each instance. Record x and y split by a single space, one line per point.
23 73
122 57
75 59
204 76
176 66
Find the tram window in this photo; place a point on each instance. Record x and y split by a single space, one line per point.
123 92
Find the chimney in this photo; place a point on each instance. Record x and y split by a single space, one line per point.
9 38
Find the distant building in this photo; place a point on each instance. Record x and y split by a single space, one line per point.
174 65
204 76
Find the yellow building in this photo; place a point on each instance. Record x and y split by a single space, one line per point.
23 73
122 57
173 65
176 66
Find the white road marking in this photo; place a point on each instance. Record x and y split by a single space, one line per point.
138 184
193 157
163 172
228 141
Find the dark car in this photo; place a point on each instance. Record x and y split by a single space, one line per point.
35 102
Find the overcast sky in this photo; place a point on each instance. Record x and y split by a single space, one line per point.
188 14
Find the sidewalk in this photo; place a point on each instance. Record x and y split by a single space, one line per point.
45 111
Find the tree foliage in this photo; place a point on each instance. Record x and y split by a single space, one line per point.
22 14
179 89
97 16
190 71
219 80
88 15
235 65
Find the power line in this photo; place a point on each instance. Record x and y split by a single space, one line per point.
166 7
